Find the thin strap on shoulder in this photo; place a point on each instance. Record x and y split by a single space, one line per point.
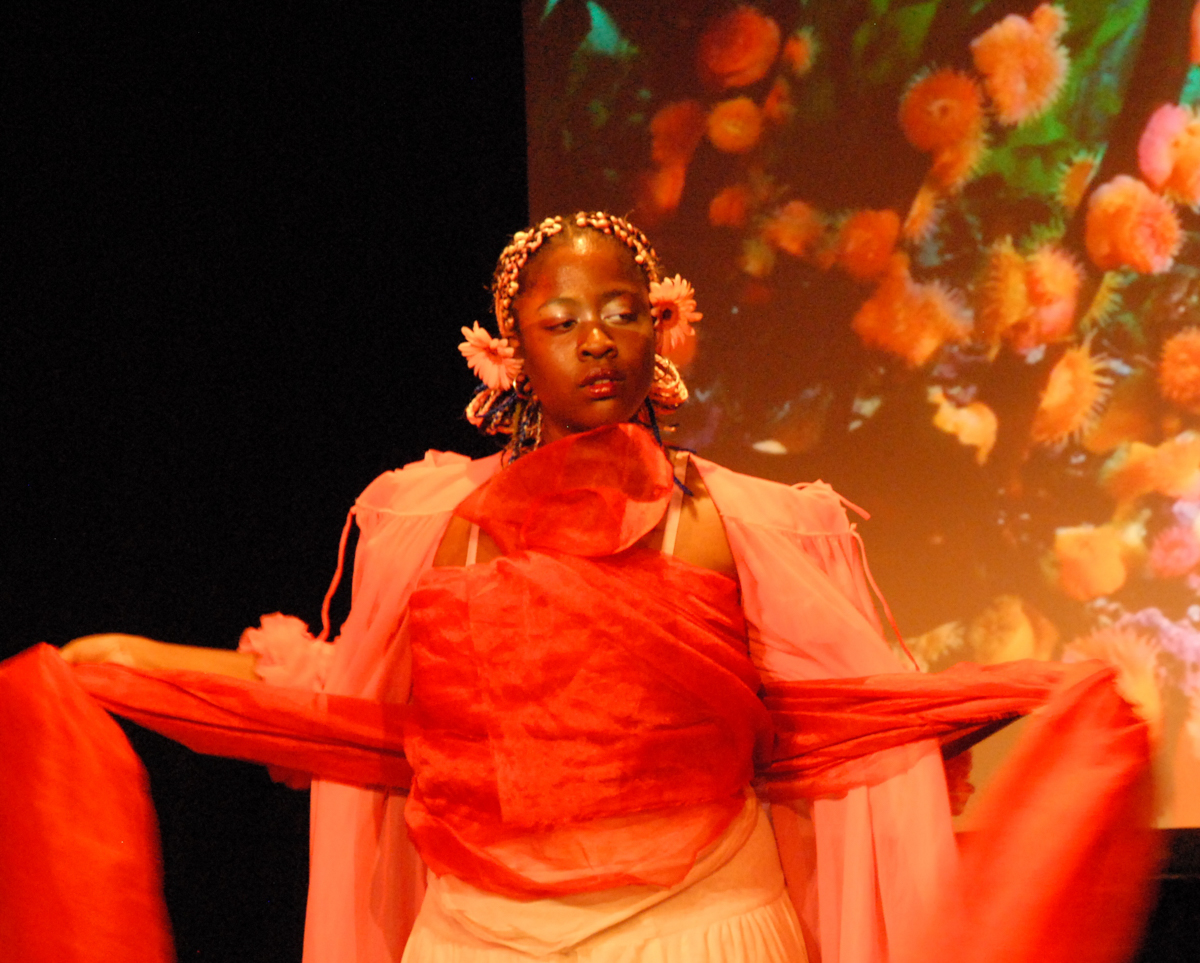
473 544
671 530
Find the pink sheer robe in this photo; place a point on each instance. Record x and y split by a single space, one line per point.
1059 879
858 866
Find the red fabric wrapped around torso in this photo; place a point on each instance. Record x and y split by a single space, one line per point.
577 678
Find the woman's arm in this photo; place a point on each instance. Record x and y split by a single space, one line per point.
139 652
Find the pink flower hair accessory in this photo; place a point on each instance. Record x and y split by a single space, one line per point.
673 307
490 358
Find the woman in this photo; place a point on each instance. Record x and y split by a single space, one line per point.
583 626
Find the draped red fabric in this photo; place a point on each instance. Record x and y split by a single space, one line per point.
576 680
357 741
79 867
589 495
1058 872
551 691
832 734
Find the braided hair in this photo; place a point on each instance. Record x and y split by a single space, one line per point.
515 411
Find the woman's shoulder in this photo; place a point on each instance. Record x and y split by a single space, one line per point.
436 483
812 508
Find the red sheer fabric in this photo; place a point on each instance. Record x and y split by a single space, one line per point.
1058 871
79 871
552 691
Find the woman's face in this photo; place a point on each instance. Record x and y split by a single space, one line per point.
584 330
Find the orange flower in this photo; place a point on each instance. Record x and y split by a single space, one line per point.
777 107
954 165
738 48
1128 225
799 52
1076 177
1179 370
865 243
1171 469
1169 153
1003 293
1128 416
908 319
1076 390
1008 629
730 207
675 131
1089 561
923 214
941 110
1052 279
1135 657
795 228
734 126
974 424
1022 63
1027 301
660 191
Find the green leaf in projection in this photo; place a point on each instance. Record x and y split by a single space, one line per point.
1104 39
887 50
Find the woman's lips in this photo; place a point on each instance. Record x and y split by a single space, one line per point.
603 383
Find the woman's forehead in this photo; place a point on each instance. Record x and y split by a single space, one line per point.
580 256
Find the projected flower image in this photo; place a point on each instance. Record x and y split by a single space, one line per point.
949 260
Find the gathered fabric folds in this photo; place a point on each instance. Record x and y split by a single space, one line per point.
803 700
560 707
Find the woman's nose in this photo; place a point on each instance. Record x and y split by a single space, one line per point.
597 342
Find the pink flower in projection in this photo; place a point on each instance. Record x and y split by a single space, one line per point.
1175 552
1128 225
1169 153
1023 64
673 305
490 358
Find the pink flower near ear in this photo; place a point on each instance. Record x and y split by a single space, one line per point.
673 305
490 358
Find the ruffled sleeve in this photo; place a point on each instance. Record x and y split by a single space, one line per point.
287 653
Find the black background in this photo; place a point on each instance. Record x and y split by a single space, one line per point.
240 241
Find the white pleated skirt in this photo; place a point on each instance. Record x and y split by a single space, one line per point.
731 908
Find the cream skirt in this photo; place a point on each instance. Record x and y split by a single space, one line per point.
731 908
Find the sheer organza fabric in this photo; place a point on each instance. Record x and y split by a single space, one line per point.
866 846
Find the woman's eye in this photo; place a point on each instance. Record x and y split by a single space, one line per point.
566 324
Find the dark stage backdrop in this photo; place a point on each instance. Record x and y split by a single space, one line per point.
240 240
947 255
